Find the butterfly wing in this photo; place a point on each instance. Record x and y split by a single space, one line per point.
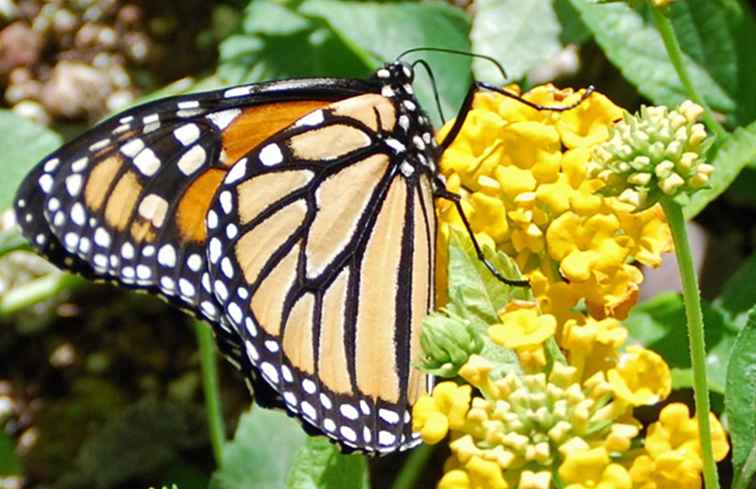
126 201
321 254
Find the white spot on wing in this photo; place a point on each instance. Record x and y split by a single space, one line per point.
186 288
308 410
187 134
396 145
51 165
237 171
167 256
388 415
73 184
154 208
224 118
192 160
348 433
271 155
236 92
132 148
79 164
309 386
349 411
386 438
188 104
311 119
253 354
194 262
46 183
78 215
147 162
235 312
127 251
270 372
226 202
102 237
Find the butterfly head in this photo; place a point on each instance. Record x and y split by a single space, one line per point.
396 78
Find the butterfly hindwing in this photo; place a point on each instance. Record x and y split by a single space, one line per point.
321 254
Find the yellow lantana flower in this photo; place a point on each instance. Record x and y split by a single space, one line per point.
523 177
587 469
676 429
641 377
592 345
672 457
432 416
524 329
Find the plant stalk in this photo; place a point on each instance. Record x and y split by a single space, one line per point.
210 387
692 299
667 32
36 291
413 467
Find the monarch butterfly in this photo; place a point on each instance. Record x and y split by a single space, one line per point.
295 216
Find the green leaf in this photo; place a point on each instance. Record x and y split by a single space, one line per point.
477 296
660 325
10 464
264 447
719 35
387 29
320 465
574 31
270 33
740 402
739 295
24 143
736 151
633 45
11 240
520 35
472 285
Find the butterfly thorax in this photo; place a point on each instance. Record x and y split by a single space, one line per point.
396 79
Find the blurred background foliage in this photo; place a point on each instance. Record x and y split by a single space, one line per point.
100 388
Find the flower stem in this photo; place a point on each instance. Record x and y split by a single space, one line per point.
667 32
664 26
208 364
691 296
38 290
413 467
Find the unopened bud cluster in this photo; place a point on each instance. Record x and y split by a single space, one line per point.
653 154
448 340
524 418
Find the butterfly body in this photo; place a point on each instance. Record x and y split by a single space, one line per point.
295 216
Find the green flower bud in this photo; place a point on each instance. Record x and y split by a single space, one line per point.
448 341
653 154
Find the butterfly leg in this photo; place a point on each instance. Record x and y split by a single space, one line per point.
456 199
478 85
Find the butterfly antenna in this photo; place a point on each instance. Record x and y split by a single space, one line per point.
458 52
427 67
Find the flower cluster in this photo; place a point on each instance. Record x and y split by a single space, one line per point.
653 153
550 189
524 178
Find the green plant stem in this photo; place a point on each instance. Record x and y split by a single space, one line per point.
691 296
664 26
36 291
210 386
413 467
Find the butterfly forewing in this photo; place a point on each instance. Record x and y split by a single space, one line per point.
329 280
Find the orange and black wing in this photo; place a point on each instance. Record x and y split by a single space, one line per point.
126 201
321 254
